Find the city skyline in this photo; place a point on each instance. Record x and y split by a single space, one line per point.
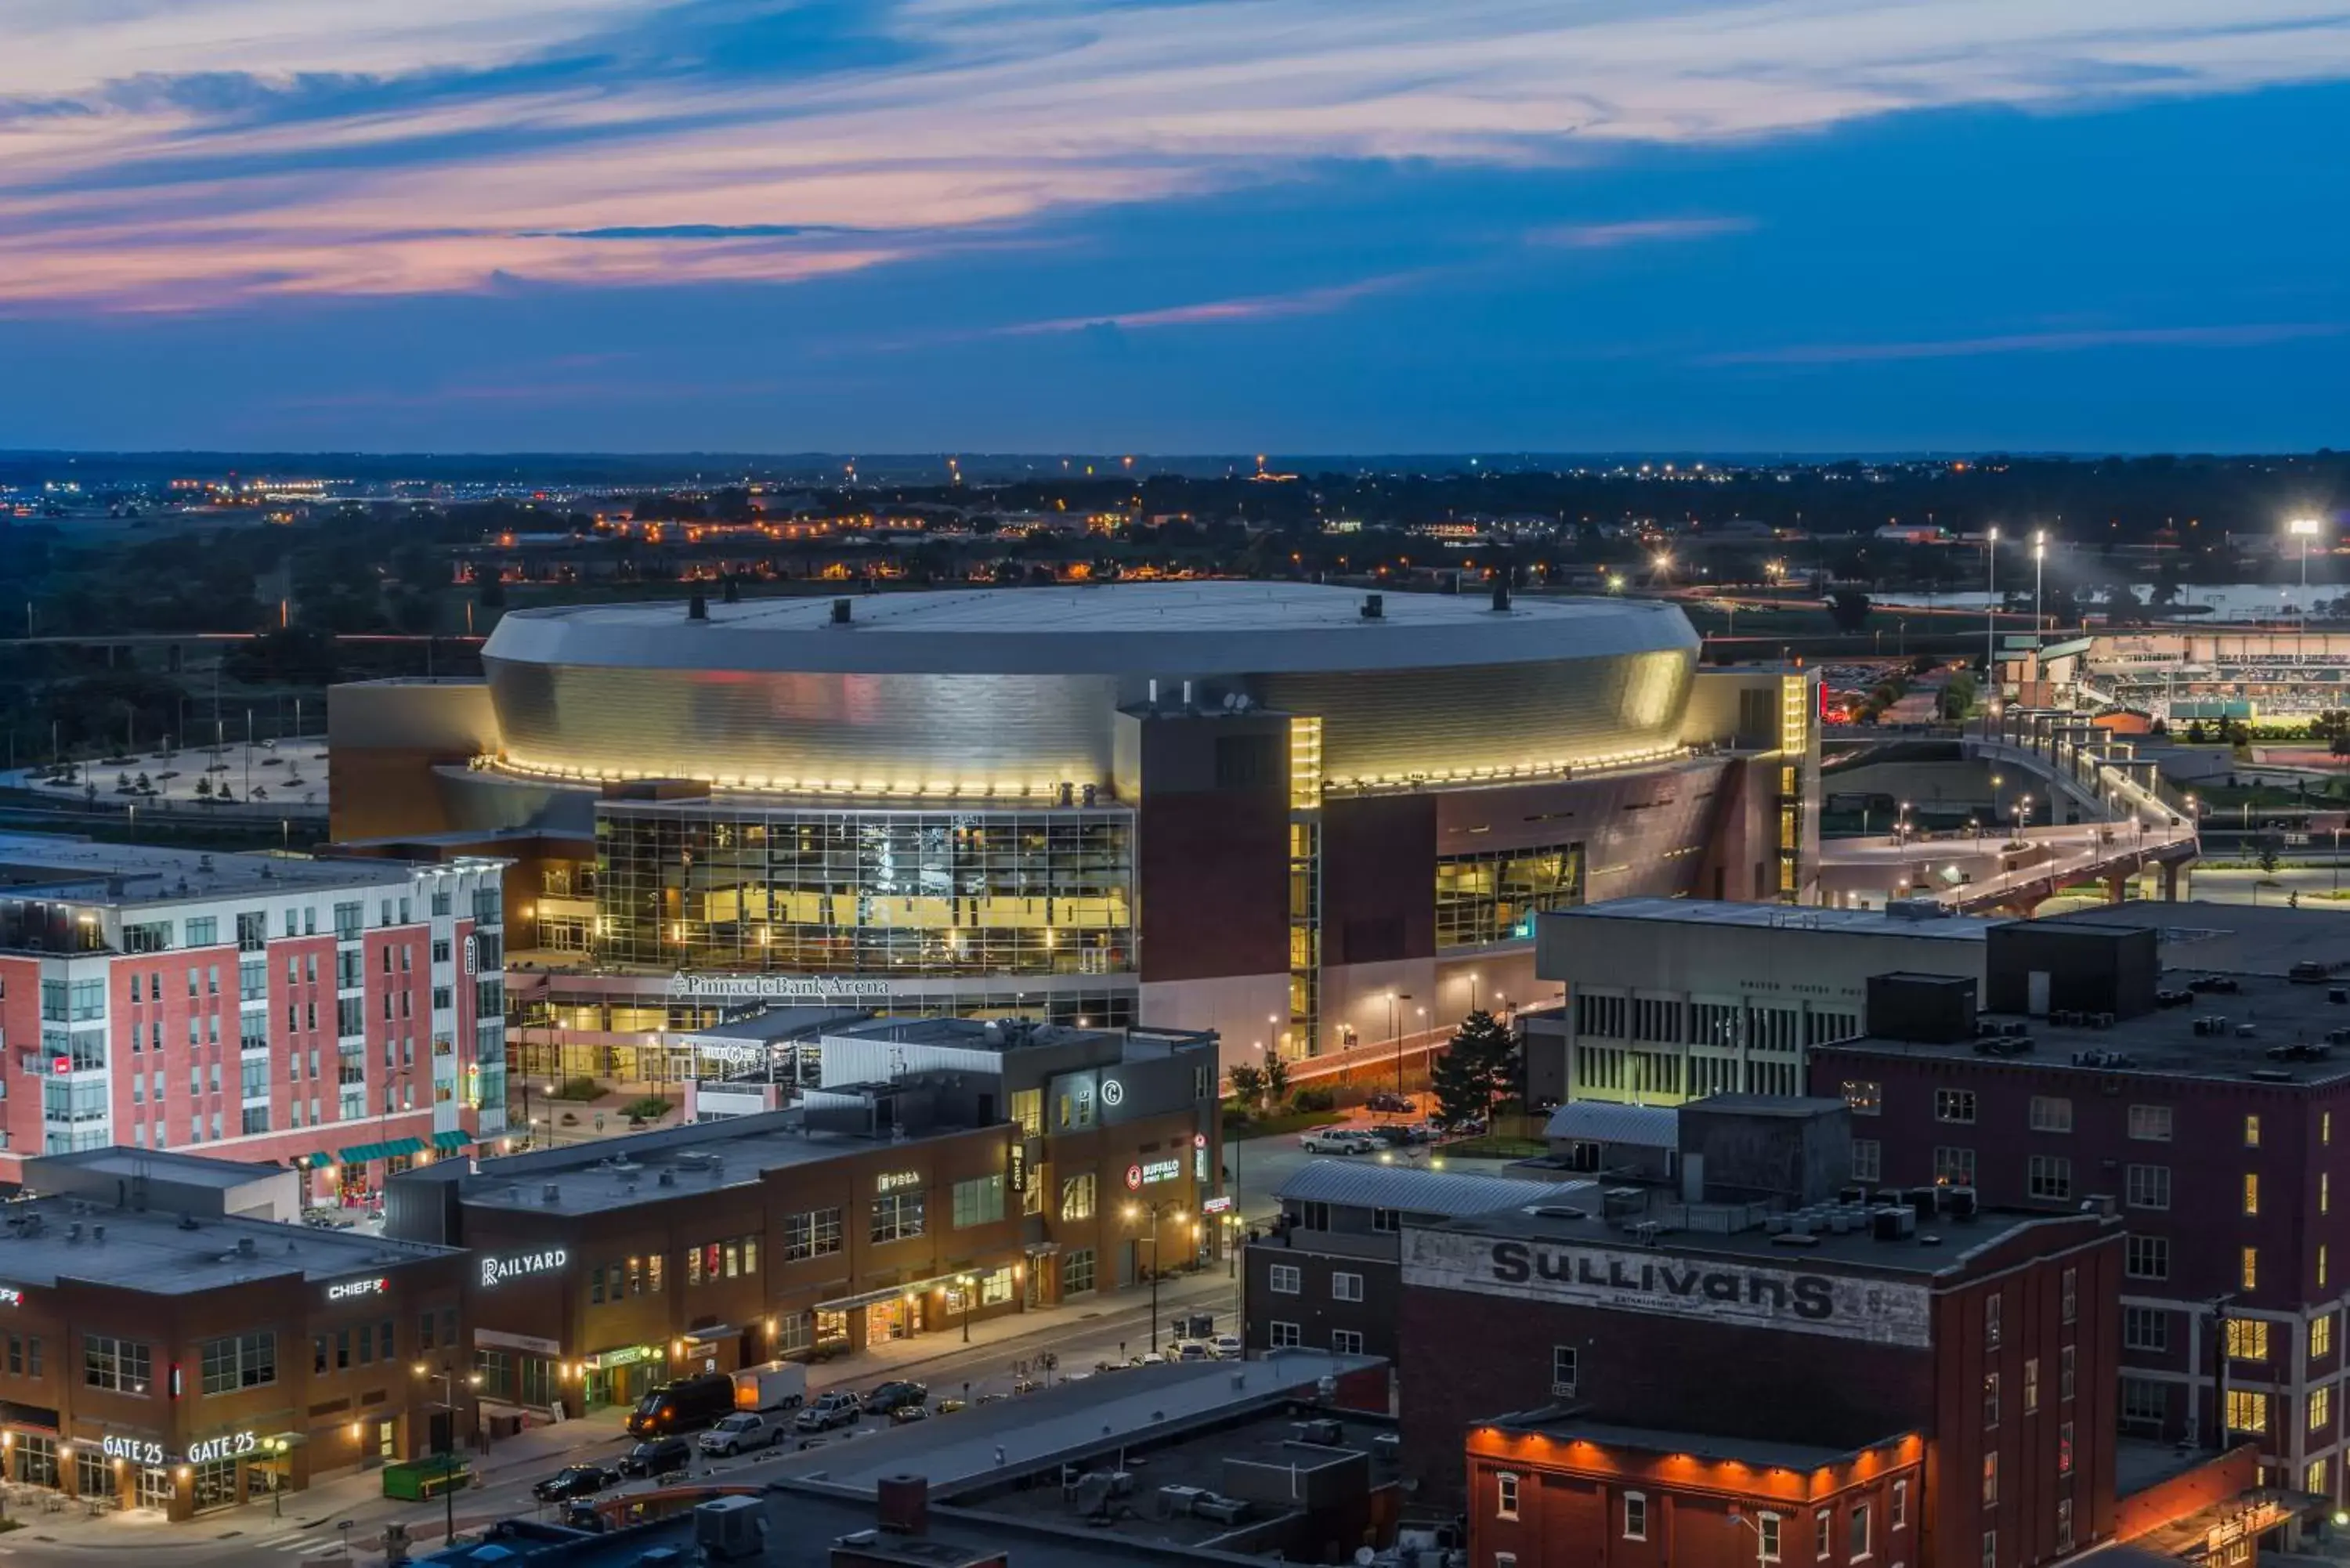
612 225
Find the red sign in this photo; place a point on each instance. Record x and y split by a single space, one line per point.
61 1064
1134 1179
1198 1141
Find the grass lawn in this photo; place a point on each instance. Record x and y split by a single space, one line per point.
1247 1125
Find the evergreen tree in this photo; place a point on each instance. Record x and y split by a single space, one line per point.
1478 1068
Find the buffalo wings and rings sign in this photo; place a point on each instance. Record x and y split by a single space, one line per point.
1716 1290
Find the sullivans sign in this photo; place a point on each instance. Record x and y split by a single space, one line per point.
698 987
498 1271
1717 1290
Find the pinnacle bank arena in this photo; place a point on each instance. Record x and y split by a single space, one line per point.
1308 817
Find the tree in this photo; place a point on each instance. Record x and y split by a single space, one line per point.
1479 1067
1276 1079
1850 607
1248 1083
2268 856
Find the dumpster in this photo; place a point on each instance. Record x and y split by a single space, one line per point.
421 1480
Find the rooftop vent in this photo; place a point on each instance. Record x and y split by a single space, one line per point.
841 611
698 607
1501 595
550 1193
247 1248
667 1179
1375 607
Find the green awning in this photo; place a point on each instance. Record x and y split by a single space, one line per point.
313 1161
359 1154
449 1142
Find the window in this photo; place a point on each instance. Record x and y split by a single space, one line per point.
1992 1315
2252 1192
1505 1495
2063 1524
1820 1522
977 1202
2052 1114
1990 1400
1856 1532
1954 1104
2248 1269
2031 1384
1901 1510
2148 1186
1864 1096
2321 1406
2050 1177
1077 1273
1078 1197
1346 1341
2145 1328
1388 1221
2145 1405
2321 1336
1766 1537
121 1365
2150 1124
2146 1258
1990 1480
2248 1338
1345 1286
814 1234
897 1217
1505 1560
146 937
1868 1159
1954 1167
2068 1296
2248 1410
2325 1193
1493 896
2065 1355
2320 1265
1285 1280
347 923
1029 1112
1636 1516
1562 1370
2065 1449
1283 1336
2252 1131
242 1361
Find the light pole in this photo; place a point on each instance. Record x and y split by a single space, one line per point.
2039 556
966 1282
1157 1212
1991 615
1395 1031
2304 529
447 1378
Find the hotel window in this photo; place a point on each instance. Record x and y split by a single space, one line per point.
812 1234
1505 1495
1992 1304
1990 1400
2064 1355
2321 1406
1900 1504
2252 1131
2064 1448
977 1202
2063 1524
1562 1371
2148 1186
2249 1270
2069 1296
1283 1336
2052 1114
1078 1197
2050 1177
1954 1106
1953 1167
2252 1192
1990 1549
1990 1480
2248 1411
1345 1286
2031 1384
1856 1532
1864 1096
2147 1257
1868 1159
1822 1526
896 1216
1636 1516
2145 1405
1767 1536
117 1365
1285 1280
1028 1111
2321 1336
2150 1124
2314 1478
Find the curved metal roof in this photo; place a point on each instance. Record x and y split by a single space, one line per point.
1599 1121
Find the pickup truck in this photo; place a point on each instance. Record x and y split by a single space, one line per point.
741 1432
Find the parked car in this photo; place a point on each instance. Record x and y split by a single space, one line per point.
657 1457
1335 1140
837 1407
573 1481
1193 1350
684 1406
1227 1347
741 1432
896 1395
905 1413
1383 1101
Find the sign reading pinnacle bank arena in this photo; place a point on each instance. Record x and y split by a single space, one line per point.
1718 1289
694 986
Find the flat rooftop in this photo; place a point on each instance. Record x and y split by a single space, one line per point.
148 1249
608 1174
1956 1240
981 1035
42 865
1761 1453
1363 1184
2230 938
180 1170
1715 913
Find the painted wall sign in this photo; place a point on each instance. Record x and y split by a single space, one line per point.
134 1450
11 1296
497 1271
472 957
892 1180
1717 1290
1113 1092
1219 1204
1016 1173
1134 1179
777 987
348 1289
234 1446
1155 1171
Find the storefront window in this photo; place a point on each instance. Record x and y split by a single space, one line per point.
795 1334
886 1320
996 1289
155 1488
93 1474
1078 1272
37 1460
215 1483
832 1331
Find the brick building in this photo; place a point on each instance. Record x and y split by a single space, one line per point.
166 1350
1681 1369
344 1016
2167 1061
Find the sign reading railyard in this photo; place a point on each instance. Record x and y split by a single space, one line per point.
1717 1290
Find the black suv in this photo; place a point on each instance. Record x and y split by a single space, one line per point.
657 1457
895 1395
573 1481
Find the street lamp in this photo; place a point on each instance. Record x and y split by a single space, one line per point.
1135 1212
966 1282
447 1378
1395 999
2304 529
1991 615
2039 556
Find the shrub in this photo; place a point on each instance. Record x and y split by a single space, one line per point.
580 1089
1314 1100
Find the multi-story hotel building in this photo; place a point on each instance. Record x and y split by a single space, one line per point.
347 1016
1301 816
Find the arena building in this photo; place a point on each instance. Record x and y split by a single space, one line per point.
1302 816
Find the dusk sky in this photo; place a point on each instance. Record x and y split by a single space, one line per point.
1305 226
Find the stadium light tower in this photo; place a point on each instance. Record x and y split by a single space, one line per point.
2304 529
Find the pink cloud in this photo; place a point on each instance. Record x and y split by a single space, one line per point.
1637 231
1252 307
2247 336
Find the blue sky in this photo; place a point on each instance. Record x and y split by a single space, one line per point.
1215 225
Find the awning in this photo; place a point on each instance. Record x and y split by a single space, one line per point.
314 1161
895 1293
712 1335
361 1153
449 1142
